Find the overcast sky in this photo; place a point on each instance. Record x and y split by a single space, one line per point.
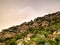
15 12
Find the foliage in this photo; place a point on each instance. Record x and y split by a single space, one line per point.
39 35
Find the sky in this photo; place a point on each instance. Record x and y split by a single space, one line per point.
15 12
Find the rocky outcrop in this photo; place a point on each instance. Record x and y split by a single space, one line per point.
37 25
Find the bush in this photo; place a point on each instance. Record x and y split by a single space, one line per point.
52 42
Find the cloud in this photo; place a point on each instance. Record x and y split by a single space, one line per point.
15 12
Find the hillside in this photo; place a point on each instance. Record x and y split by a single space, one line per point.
41 31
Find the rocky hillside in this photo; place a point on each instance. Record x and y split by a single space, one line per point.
40 31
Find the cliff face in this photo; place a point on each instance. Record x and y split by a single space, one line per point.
34 32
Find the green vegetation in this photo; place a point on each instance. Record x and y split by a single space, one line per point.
46 31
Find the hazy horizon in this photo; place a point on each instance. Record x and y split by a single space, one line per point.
15 12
